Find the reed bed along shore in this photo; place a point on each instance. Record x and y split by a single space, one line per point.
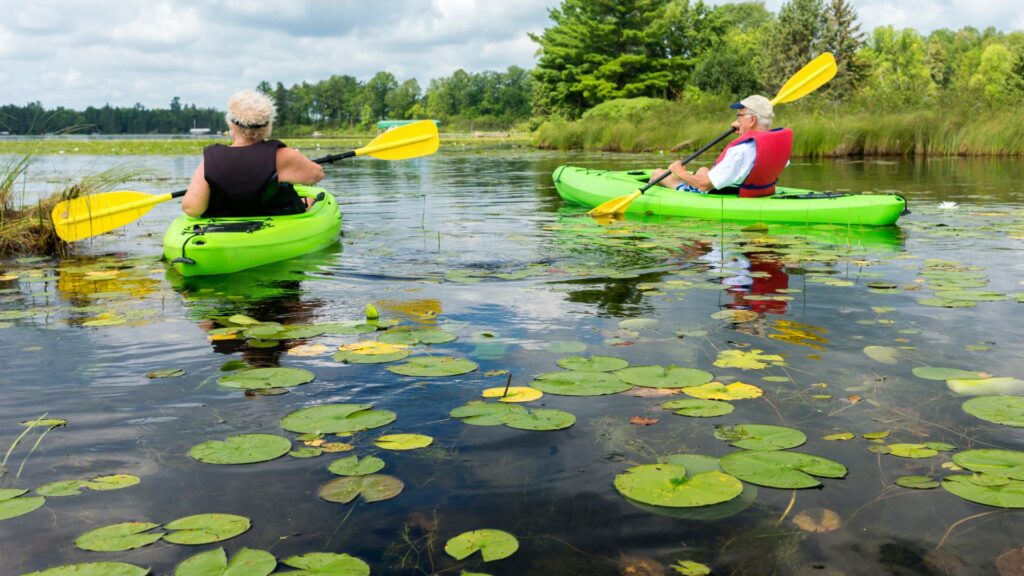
817 134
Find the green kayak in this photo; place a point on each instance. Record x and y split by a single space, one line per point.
205 246
590 187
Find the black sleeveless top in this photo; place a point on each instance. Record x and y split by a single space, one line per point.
243 181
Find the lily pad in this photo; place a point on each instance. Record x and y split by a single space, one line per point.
513 393
355 466
539 419
431 366
337 418
1008 463
246 562
119 537
911 451
93 569
371 352
327 564
12 507
668 485
986 386
485 413
699 408
780 469
918 482
760 436
241 449
112 482
938 373
572 383
752 360
373 487
346 328
883 354
61 488
663 376
167 373
592 363
492 544
206 528
975 488
262 378
411 336
403 441
719 391
1008 410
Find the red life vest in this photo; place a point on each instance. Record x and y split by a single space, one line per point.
773 150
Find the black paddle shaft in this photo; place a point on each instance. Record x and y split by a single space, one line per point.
324 160
688 159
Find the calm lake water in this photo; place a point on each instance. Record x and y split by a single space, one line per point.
480 245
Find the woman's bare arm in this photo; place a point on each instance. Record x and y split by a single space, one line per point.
295 168
197 197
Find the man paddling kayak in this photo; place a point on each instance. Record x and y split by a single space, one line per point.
750 164
252 175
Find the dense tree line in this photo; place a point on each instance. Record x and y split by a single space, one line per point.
601 50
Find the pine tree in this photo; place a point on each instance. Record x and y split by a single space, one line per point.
798 37
844 39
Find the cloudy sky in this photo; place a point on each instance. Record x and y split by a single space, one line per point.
76 53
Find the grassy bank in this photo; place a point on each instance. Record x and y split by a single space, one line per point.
818 133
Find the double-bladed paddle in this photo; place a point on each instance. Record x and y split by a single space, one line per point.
807 80
95 214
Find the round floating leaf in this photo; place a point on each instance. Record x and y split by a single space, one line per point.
977 489
167 373
986 387
668 485
8 493
492 544
752 360
663 376
539 419
373 487
112 482
403 441
513 394
431 366
690 568
699 408
14 507
246 562
61 488
1008 410
349 357
911 450
817 520
346 328
760 436
917 482
305 452
335 418
118 537
1008 463
571 383
780 469
883 354
937 373
327 564
411 336
592 364
261 378
485 413
719 391
940 446
93 569
206 528
971 295
565 347
355 466
241 449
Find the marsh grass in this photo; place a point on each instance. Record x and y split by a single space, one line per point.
819 133
29 230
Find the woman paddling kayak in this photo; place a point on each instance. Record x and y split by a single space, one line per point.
253 175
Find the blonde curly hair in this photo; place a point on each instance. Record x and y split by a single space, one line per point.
251 113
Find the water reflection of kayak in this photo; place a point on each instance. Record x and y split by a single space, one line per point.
207 246
589 187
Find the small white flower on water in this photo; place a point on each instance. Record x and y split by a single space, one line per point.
948 205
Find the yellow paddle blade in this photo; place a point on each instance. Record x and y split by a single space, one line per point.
614 206
409 141
811 77
98 213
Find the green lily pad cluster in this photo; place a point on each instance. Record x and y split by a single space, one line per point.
190 530
266 378
998 478
99 483
512 415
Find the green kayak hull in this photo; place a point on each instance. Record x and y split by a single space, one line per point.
590 187
207 246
